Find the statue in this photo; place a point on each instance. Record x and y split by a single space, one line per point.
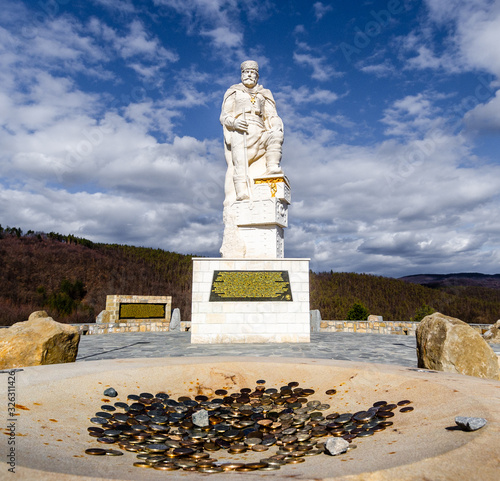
257 193
253 132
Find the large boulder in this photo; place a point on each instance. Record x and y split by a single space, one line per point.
448 344
493 333
39 340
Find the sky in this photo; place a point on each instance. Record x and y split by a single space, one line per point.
109 124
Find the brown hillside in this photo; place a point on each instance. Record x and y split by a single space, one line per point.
70 278
33 268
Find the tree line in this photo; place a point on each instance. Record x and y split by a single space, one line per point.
70 277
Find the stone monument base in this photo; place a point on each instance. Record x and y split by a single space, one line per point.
250 301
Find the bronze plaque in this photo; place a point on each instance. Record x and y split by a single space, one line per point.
138 310
250 286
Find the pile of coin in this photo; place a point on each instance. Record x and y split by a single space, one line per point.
186 433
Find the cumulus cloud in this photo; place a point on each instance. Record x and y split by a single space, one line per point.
95 143
320 10
321 70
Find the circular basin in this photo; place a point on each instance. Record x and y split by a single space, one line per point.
54 405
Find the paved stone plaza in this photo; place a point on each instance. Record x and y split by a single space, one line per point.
344 346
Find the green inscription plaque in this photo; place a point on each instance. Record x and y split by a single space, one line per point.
251 286
137 310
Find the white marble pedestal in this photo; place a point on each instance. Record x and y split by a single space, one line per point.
251 300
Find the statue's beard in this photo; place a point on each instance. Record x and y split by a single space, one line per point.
249 84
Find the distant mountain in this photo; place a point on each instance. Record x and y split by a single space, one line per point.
466 279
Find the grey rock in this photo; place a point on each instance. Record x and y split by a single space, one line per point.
336 446
175 321
110 392
200 418
315 320
470 424
103 318
493 333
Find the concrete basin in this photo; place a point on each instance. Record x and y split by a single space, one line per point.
55 403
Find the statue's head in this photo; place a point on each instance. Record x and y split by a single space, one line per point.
249 73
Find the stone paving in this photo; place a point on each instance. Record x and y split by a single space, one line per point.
346 346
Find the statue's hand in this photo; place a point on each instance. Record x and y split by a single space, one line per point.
241 125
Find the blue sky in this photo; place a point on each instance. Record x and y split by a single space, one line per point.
109 124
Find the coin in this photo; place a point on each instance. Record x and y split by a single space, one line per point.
166 467
385 414
113 452
404 402
331 392
142 464
294 460
231 466
209 469
95 451
406 409
259 448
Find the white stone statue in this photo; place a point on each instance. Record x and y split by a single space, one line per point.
257 193
253 132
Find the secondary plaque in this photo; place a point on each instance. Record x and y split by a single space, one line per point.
137 310
250 286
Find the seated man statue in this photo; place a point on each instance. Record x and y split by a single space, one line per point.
253 132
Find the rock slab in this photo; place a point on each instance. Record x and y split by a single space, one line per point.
39 340
448 344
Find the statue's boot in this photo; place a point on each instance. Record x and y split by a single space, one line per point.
241 190
273 163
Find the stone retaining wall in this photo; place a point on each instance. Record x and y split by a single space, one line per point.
364 327
382 327
143 326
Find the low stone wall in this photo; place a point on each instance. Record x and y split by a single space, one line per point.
370 327
89 329
382 327
363 327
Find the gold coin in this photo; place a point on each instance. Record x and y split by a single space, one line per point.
292 460
142 464
166 467
231 466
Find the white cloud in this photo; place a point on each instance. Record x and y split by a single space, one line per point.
224 37
413 115
321 70
320 10
305 95
471 43
485 117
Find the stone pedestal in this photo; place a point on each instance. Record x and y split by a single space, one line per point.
254 227
250 300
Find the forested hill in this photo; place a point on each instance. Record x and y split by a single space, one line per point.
69 277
